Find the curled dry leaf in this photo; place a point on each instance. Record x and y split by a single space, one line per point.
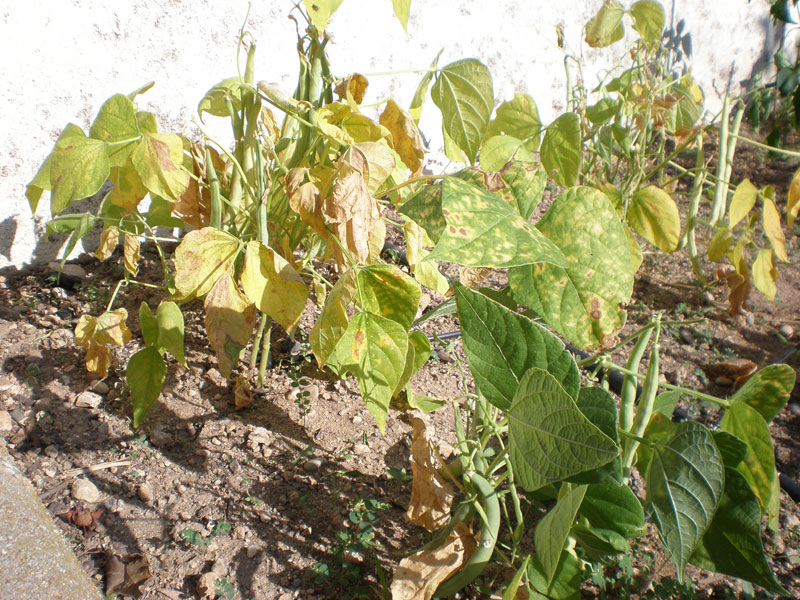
126 575
230 317
738 289
355 86
406 140
108 242
193 207
242 394
735 371
352 214
96 334
472 277
418 576
305 200
431 495
131 254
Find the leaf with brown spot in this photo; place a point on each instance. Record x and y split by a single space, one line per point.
157 159
304 199
431 495
406 140
230 318
108 242
352 213
352 88
201 258
131 254
193 207
128 189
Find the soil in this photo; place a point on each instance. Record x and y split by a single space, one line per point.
260 502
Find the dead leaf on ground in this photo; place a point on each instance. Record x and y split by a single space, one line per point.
733 372
431 495
126 575
418 576
242 394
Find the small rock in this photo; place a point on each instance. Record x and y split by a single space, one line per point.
357 419
750 318
252 551
202 452
100 387
88 400
786 331
59 293
313 464
216 441
84 490
158 437
69 270
49 470
361 449
145 493
51 451
686 335
794 409
5 422
708 297
258 437
444 357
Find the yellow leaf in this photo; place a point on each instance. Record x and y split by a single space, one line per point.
111 328
242 394
128 188
418 576
320 12
406 139
273 285
424 271
377 239
97 334
108 242
636 252
98 359
793 199
201 258
230 318
765 274
771 219
158 159
131 257
744 199
332 322
304 199
352 88
431 495
719 244
380 162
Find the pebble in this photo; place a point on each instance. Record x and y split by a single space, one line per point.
100 387
313 464
361 449
5 422
686 335
158 437
88 400
49 470
202 452
84 490
750 318
51 451
59 293
786 331
444 357
258 436
357 419
708 297
145 493
794 409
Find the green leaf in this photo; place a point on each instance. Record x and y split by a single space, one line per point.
684 482
653 214
149 325
214 101
561 149
273 285
157 158
600 408
401 9
768 390
415 109
732 544
116 123
484 231
417 354
518 118
463 92
566 581
39 183
502 345
648 20
731 449
373 349
602 111
160 214
385 290
615 507
549 437
581 301
79 168
497 150
605 27
170 330
758 467
202 257
145 372
553 529
320 12
599 543
744 199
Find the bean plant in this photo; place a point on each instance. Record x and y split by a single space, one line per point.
293 212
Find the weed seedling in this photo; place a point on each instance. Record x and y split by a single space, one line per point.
224 589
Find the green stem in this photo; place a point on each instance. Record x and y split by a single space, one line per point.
265 352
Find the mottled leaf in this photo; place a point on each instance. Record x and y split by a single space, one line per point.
792 199
648 20
116 123
768 390
229 319
157 159
518 118
78 169
385 290
332 322
424 271
653 214
202 257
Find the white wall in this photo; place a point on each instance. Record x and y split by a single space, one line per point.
63 58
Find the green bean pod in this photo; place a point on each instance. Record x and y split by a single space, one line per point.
478 561
645 408
629 383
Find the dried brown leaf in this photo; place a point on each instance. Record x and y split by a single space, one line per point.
108 242
472 277
131 254
406 140
431 495
356 85
242 394
352 213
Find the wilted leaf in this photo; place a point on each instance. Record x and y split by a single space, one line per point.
736 369
738 290
338 121
406 139
201 258
431 495
193 207
126 575
744 199
304 199
381 163
418 576
131 254
653 214
353 87
605 27
352 213
230 318
273 285
214 101
242 394
157 158
108 242
771 219
765 274
463 92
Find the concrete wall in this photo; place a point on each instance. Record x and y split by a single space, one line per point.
62 59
